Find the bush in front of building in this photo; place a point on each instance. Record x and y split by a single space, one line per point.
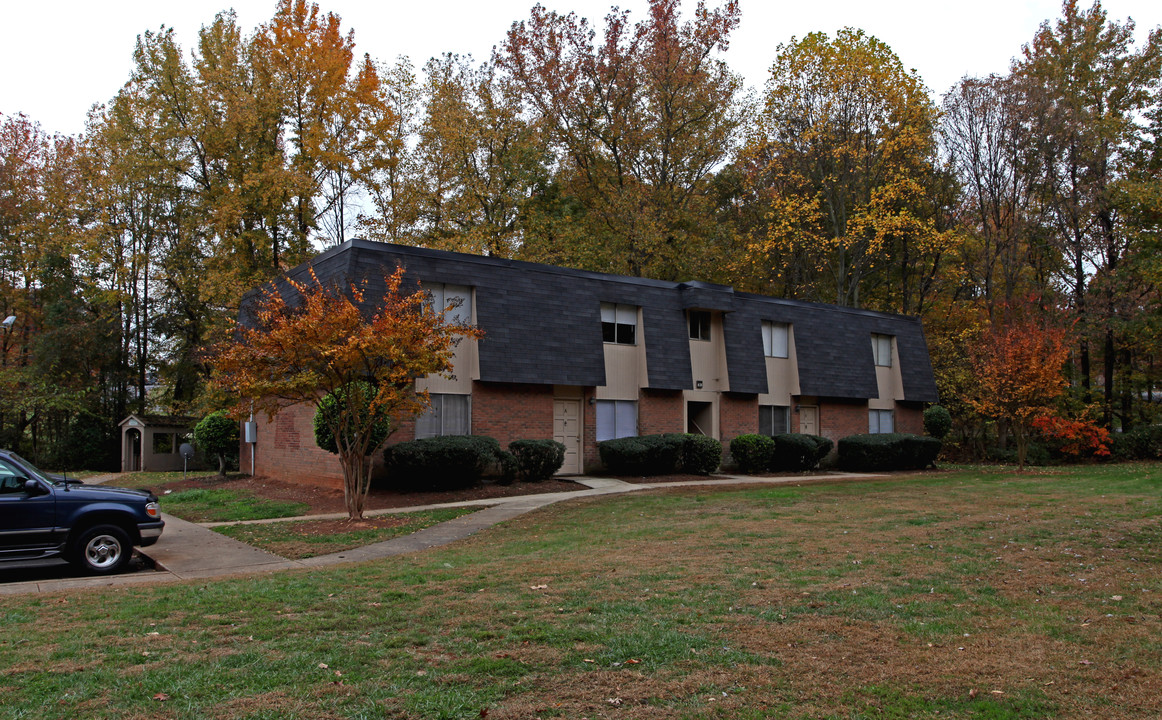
752 453
937 422
448 462
796 452
642 455
216 436
661 454
330 410
887 451
701 455
537 460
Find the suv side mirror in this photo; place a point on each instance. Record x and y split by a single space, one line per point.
33 488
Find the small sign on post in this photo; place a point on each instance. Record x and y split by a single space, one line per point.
187 452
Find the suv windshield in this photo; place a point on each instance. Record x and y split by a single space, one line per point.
32 469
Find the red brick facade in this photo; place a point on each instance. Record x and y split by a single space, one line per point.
286 447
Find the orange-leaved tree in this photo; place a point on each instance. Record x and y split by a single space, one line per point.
1018 367
313 341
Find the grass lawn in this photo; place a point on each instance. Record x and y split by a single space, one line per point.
969 594
298 539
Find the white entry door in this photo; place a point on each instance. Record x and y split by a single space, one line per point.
808 420
567 431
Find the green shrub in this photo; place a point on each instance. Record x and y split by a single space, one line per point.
449 462
216 435
509 467
537 460
334 403
642 455
1036 454
795 452
937 422
701 455
752 453
1142 443
887 451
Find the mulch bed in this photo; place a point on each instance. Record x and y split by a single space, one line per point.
327 500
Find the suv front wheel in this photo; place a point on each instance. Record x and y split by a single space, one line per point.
102 550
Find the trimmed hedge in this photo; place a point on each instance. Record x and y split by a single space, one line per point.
537 460
701 455
937 422
753 453
449 462
887 451
796 452
661 454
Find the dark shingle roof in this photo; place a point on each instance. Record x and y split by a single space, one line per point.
542 323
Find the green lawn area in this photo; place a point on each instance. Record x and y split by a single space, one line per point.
298 539
976 593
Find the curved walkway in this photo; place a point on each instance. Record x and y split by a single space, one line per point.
188 551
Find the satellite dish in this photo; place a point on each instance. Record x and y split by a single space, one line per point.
187 451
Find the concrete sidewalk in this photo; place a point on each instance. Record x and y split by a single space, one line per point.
188 551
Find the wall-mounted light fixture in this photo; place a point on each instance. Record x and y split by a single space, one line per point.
698 384
593 400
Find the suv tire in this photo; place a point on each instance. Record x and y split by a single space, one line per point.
102 550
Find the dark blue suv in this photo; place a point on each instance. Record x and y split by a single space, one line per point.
93 526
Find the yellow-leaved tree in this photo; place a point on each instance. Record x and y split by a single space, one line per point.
844 158
358 355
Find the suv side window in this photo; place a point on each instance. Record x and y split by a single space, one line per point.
11 479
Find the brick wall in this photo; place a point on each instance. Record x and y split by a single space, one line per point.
738 415
660 411
286 450
909 419
510 412
838 419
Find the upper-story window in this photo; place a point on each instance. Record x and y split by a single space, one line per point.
444 295
882 349
619 323
699 324
775 339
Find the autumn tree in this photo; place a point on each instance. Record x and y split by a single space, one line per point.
844 156
309 341
1018 368
1084 87
638 119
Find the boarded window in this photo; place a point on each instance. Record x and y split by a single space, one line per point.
882 349
880 421
774 419
616 419
460 296
449 415
775 339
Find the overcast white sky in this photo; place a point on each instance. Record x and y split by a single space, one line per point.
59 57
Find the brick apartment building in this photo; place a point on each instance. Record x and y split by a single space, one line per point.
582 356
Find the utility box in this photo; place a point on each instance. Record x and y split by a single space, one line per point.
250 432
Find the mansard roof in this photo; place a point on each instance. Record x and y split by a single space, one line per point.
542 323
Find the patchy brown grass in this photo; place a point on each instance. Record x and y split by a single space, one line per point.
968 594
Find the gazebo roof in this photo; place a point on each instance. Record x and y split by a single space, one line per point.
160 421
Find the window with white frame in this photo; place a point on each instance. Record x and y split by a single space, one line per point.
699 324
882 349
444 295
448 415
775 338
616 419
619 323
774 419
880 421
